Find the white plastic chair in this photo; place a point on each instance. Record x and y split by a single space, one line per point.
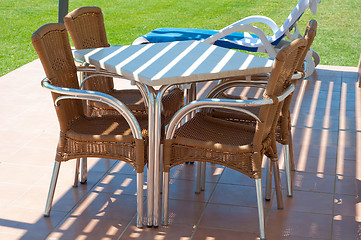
251 39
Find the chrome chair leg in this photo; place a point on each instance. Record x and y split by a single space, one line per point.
260 208
291 152
165 196
161 169
140 180
51 192
203 182
83 170
199 177
276 175
286 151
76 177
268 180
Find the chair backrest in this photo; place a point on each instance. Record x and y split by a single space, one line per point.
86 28
51 43
295 15
280 79
310 35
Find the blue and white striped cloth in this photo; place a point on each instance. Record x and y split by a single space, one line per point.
174 62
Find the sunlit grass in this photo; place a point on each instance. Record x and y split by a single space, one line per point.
338 40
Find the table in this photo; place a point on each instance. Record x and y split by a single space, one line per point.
164 65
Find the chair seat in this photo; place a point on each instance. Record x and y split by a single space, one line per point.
131 97
105 137
283 124
218 133
217 141
105 129
172 101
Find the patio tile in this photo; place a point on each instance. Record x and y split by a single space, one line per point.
64 199
44 140
348 168
230 217
231 176
290 237
350 120
314 159
245 196
346 228
185 190
34 124
327 126
321 164
289 223
15 236
7 151
118 184
173 231
329 73
189 172
321 97
314 137
84 227
32 156
124 168
107 205
327 121
15 137
10 192
21 174
101 165
67 175
185 212
346 205
30 223
203 233
312 182
308 202
347 185
349 143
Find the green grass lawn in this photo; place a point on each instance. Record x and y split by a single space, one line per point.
338 38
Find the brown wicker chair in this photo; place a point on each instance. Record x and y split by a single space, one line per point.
283 129
121 137
238 146
87 30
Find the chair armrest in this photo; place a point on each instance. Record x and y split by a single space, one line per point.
254 19
244 27
232 104
71 93
223 86
102 73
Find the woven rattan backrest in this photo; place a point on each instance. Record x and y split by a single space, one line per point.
310 35
51 43
86 28
280 79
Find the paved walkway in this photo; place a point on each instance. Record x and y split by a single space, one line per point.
326 203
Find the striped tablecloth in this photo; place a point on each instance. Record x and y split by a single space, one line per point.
174 62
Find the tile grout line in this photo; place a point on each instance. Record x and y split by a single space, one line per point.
337 159
206 205
80 200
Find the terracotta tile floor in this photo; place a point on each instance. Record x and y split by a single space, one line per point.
326 204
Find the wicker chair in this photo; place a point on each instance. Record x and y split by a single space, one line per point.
283 129
87 30
238 146
121 137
